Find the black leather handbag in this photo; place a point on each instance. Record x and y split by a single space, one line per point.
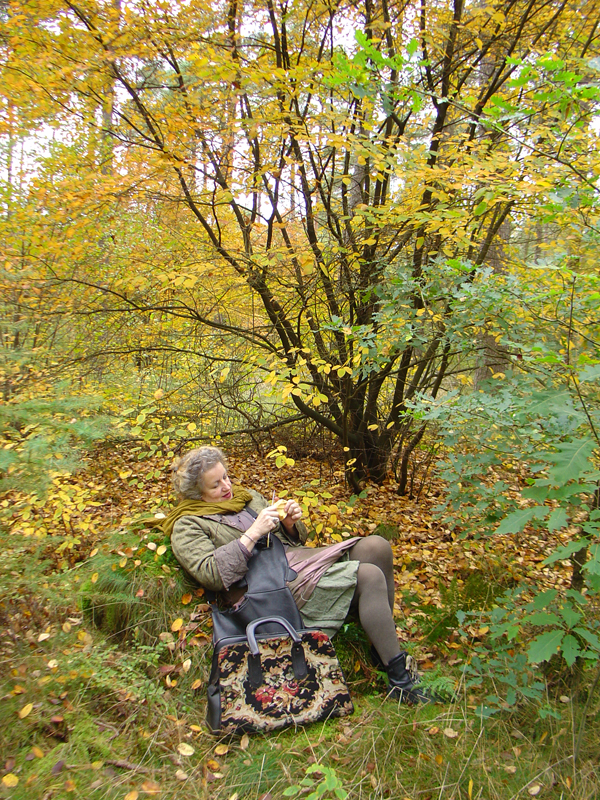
267 594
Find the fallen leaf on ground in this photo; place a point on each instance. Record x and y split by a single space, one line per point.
185 749
132 795
221 750
150 787
177 624
181 775
10 780
26 710
534 789
450 733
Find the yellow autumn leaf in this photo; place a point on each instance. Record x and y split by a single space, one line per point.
161 550
177 624
10 780
185 749
221 750
196 684
213 766
94 577
186 666
186 599
26 710
37 751
132 795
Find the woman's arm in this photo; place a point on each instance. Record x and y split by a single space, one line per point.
210 551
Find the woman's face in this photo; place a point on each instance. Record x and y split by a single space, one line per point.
215 485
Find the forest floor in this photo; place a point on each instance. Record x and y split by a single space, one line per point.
105 653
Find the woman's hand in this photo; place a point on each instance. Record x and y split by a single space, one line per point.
293 514
267 521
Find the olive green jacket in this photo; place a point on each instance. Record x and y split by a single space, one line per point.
209 551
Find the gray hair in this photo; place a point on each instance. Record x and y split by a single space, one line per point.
189 469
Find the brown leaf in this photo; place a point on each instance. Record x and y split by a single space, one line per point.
186 599
58 767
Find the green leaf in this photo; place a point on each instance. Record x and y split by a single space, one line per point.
543 599
590 637
558 519
571 460
590 373
592 565
570 649
570 616
480 209
515 522
564 551
542 618
544 646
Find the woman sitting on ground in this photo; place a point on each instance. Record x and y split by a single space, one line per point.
216 526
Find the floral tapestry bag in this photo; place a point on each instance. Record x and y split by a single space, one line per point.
267 681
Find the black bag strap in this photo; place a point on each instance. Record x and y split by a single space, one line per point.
299 666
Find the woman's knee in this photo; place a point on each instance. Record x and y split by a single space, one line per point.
369 578
373 550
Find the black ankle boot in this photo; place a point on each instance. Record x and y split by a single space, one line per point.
404 679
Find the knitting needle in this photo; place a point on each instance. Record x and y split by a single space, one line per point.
269 533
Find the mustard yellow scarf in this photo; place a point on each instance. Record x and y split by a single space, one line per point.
199 508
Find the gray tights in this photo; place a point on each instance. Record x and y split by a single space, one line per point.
374 594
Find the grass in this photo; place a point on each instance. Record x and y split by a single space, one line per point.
97 697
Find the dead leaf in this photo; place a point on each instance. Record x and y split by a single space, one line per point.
37 751
196 684
84 637
221 750
43 636
161 550
10 780
510 768
450 733
185 749
177 624
132 795
26 710
70 786
181 775
186 599
244 742
433 730
212 765
534 789
564 699
439 759
58 767
66 626
187 664
150 787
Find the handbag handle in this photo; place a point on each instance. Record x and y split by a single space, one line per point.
251 628
299 665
